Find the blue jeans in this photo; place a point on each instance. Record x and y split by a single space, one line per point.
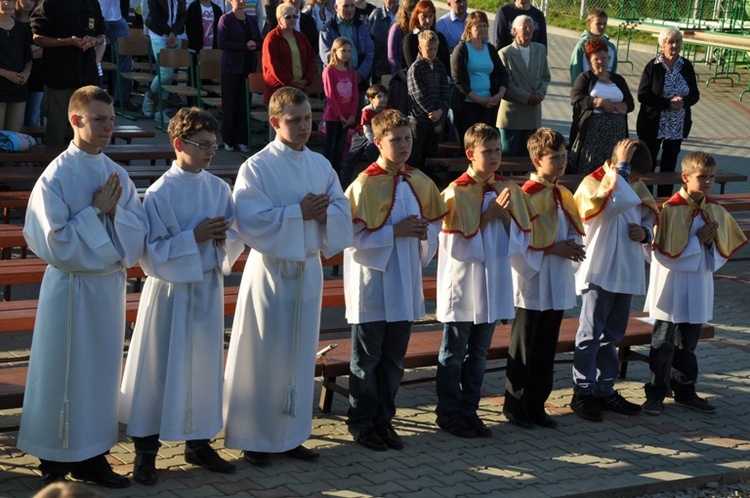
378 350
165 73
33 109
675 341
114 30
461 364
603 321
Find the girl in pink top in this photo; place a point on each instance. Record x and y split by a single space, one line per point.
342 99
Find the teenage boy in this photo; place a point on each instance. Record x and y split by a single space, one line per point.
596 25
618 215
396 211
172 383
85 219
488 220
694 237
544 284
290 209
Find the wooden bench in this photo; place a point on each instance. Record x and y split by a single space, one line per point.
424 347
125 132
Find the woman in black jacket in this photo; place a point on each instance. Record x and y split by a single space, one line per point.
667 91
601 101
479 77
194 28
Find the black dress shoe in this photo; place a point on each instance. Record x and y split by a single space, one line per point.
522 421
144 469
206 457
368 438
544 420
101 473
388 434
257 458
51 477
302 453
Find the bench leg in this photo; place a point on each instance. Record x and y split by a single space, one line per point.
326 394
624 354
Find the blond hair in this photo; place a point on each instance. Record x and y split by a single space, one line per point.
337 44
476 17
403 15
190 120
286 95
427 38
479 134
698 161
544 141
282 8
387 121
81 98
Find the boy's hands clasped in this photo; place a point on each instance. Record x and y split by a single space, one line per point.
106 196
411 226
315 207
211 228
707 233
568 249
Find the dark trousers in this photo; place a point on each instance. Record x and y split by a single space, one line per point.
670 149
234 109
676 341
88 466
378 350
424 146
334 147
531 357
359 147
470 114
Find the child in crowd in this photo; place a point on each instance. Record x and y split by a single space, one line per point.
429 99
596 25
488 220
290 209
544 284
342 97
172 383
84 218
396 211
694 237
363 141
618 215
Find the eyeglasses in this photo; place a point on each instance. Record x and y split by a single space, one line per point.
202 145
291 16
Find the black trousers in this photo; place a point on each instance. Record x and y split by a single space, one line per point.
84 467
676 341
424 145
531 357
151 444
234 109
670 149
470 114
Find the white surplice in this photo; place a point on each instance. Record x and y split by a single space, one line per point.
173 378
545 281
70 404
613 261
269 378
383 273
681 290
474 274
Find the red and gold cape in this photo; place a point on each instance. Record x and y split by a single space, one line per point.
596 189
545 197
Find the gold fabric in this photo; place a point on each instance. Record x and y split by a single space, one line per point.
545 197
596 189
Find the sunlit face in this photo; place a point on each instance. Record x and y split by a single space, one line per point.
27 5
524 32
425 20
345 9
458 7
288 19
597 26
296 3
479 31
429 52
294 126
93 128
344 53
7 6
700 182
485 158
238 5
391 5
191 157
523 4
552 164
379 101
395 146
671 47
599 61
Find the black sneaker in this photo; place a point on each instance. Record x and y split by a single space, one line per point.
257 458
206 457
389 436
476 423
368 438
616 403
587 407
519 419
697 404
455 423
302 453
99 471
653 406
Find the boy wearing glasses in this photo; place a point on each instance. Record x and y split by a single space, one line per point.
172 385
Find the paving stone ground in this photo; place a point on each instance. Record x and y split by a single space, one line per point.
622 456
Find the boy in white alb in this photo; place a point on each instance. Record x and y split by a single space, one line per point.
396 211
618 214
544 284
694 237
488 220
290 209
85 219
171 388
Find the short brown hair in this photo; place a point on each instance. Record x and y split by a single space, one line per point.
479 134
374 90
190 120
286 95
594 46
595 14
640 162
476 17
697 161
81 98
544 141
387 121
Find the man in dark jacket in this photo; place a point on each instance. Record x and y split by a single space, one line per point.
363 51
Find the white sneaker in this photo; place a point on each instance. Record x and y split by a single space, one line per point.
148 107
228 147
158 117
243 148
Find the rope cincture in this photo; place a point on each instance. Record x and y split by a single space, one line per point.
189 424
290 399
63 431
